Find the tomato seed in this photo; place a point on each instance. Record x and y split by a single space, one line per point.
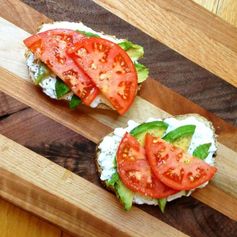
93 66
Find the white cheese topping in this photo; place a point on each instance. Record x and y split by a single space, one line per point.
100 99
78 26
109 146
48 83
108 149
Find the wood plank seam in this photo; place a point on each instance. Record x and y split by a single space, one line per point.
9 114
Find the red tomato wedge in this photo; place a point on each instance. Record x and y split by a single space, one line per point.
174 167
111 69
50 47
135 171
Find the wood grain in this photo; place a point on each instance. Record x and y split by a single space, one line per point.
77 155
57 9
102 119
9 106
166 66
227 133
216 42
150 90
22 11
66 199
13 219
170 68
227 10
107 119
66 235
225 180
210 5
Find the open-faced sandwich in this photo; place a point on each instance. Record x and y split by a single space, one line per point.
159 160
73 62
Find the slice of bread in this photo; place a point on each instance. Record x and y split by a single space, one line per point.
33 64
196 117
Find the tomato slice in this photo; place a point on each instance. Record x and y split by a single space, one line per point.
135 171
111 69
50 47
174 167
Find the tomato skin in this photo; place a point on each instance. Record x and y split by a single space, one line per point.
174 167
135 171
111 69
50 47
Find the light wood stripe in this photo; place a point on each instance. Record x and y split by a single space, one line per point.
182 26
42 187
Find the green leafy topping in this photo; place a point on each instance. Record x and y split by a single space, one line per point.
74 102
134 51
61 88
142 72
113 180
201 151
162 203
179 132
88 34
115 162
43 72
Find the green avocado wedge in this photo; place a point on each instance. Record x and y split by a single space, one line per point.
124 194
162 203
42 73
61 88
88 34
156 128
74 102
201 151
181 136
134 51
142 72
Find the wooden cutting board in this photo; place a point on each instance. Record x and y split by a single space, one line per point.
101 123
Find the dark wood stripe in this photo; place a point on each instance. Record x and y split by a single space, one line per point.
76 153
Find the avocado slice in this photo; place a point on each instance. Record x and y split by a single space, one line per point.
134 51
142 72
61 88
74 102
201 151
162 203
124 195
42 73
113 180
156 128
181 136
